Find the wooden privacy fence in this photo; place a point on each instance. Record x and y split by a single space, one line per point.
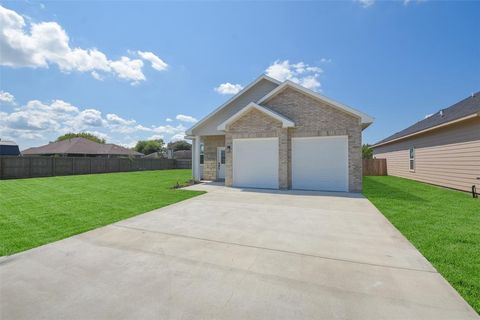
374 167
30 167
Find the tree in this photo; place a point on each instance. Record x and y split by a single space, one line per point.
367 152
84 135
179 145
150 146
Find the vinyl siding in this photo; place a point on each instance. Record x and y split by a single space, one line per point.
448 156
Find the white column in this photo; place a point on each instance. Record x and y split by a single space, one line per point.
196 158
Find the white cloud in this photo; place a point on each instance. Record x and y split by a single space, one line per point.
157 63
39 45
97 75
116 120
7 97
301 73
177 137
366 3
326 60
228 88
156 137
168 120
185 118
36 123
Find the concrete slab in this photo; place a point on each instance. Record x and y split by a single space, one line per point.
233 254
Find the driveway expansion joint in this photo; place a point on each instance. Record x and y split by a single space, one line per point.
272 249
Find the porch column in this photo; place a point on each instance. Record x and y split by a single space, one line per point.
196 158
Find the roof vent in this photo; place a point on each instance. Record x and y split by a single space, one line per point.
441 113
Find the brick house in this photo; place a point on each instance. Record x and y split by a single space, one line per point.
280 135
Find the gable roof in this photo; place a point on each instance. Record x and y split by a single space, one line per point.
232 99
286 123
81 146
463 110
365 118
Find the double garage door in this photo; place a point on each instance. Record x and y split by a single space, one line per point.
318 163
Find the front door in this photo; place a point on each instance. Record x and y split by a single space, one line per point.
220 162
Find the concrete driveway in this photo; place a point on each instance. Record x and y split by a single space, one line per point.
233 254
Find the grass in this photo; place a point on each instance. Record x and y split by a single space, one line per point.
37 211
444 225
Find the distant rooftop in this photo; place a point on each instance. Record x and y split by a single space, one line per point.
466 107
81 146
7 143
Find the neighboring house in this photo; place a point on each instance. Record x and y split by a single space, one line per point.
155 155
182 154
81 147
442 149
280 136
9 148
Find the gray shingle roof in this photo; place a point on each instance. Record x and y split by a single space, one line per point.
459 110
81 146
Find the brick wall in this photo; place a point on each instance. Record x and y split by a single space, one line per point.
315 118
253 124
312 118
210 144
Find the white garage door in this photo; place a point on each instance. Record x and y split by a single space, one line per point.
255 163
320 163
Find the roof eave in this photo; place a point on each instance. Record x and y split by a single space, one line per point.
473 115
365 118
189 131
286 123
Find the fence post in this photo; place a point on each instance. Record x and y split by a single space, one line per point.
29 167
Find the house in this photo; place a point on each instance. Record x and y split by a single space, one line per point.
8 148
81 147
280 135
442 149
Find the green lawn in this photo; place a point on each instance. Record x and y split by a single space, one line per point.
41 210
443 224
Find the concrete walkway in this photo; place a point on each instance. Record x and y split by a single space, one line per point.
233 254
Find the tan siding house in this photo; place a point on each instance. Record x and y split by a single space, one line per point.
443 149
280 136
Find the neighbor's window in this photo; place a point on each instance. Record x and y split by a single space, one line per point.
201 153
412 159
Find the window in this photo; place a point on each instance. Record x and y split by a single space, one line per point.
412 159
222 156
201 153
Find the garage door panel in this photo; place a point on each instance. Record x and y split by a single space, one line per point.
320 163
255 163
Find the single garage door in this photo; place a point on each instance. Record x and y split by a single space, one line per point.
320 163
255 163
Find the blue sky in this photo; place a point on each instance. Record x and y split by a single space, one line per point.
87 66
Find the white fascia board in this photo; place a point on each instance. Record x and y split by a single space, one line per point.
365 118
253 83
286 123
473 115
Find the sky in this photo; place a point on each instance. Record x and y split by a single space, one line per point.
129 71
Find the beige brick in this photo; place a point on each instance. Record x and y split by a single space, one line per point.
312 118
210 144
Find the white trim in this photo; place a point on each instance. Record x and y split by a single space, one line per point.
365 118
286 123
253 83
428 129
196 159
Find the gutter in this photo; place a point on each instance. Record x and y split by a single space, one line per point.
428 129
